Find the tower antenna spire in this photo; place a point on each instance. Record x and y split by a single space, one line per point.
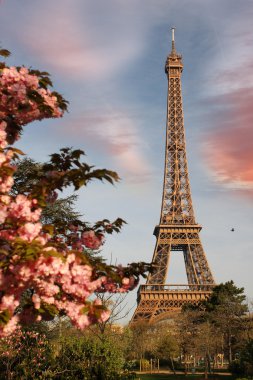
173 48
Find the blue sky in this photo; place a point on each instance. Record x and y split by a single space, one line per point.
107 58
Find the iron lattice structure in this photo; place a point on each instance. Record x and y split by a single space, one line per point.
177 230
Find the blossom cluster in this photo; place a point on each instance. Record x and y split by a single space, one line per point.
60 278
88 238
23 348
62 283
22 97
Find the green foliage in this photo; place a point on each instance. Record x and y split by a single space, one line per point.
59 212
167 346
72 171
4 53
44 78
86 357
156 341
24 249
227 297
216 324
24 355
39 181
243 365
64 169
57 351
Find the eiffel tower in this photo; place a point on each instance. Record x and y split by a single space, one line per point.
177 230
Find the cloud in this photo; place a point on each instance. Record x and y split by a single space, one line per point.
228 90
82 40
229 146
85 39
116 135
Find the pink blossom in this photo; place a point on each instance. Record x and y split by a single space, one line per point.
8 302
17 83
3 135
10 327
5 199
36 300
97 302
3 214
125 281
3 126
6 183
91 240
21 208
29 231
58 275
104 316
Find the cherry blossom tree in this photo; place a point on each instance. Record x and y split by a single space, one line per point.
48 269
23 354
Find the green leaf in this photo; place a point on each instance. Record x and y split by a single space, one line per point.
5 53
49 228
47 311
18 151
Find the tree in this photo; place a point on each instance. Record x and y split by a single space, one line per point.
85 354
51 260
150 340
166 347
57 210
198 338
119 310
226 309
59 351
24 354
243 364
86 357
215 325
140 343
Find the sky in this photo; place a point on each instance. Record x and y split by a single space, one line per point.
107 59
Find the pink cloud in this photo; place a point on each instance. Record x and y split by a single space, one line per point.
229 150
228 147
74 40
115 134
